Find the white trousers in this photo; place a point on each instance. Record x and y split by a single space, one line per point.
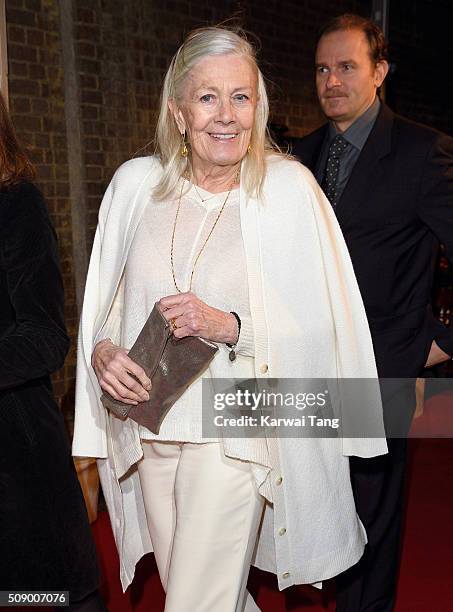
203 511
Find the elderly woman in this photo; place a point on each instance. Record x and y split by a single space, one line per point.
239 246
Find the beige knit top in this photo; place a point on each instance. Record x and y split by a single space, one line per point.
220 280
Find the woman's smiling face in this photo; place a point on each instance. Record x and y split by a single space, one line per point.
217 110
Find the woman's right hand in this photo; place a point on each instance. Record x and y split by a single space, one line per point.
118 375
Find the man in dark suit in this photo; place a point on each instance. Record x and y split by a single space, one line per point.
390 182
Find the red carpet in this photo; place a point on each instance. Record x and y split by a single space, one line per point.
146 594
425 583
426 568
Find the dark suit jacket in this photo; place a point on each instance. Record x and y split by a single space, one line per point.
45 539
397 204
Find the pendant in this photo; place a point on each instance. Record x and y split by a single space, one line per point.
232 355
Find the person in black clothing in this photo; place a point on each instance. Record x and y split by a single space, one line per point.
45 537
390 182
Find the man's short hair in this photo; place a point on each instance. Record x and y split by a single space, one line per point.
374 34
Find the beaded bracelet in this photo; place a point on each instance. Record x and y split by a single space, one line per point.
232 353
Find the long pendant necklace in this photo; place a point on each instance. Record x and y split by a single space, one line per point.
236 179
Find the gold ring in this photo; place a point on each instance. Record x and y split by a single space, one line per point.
173 324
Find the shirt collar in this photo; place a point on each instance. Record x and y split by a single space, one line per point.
358 132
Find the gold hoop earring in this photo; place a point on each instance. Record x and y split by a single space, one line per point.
249 148
184 149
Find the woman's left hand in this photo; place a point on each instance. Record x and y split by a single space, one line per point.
192 317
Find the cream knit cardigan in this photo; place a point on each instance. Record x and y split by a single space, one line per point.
308 321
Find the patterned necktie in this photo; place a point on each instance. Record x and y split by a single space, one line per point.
329 183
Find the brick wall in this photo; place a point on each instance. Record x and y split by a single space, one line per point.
37 107
122 48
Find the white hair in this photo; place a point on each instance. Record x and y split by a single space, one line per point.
199 44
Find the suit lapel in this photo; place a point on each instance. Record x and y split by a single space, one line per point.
313 160
317 168
367 170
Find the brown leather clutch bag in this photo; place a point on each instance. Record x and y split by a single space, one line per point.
171 364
